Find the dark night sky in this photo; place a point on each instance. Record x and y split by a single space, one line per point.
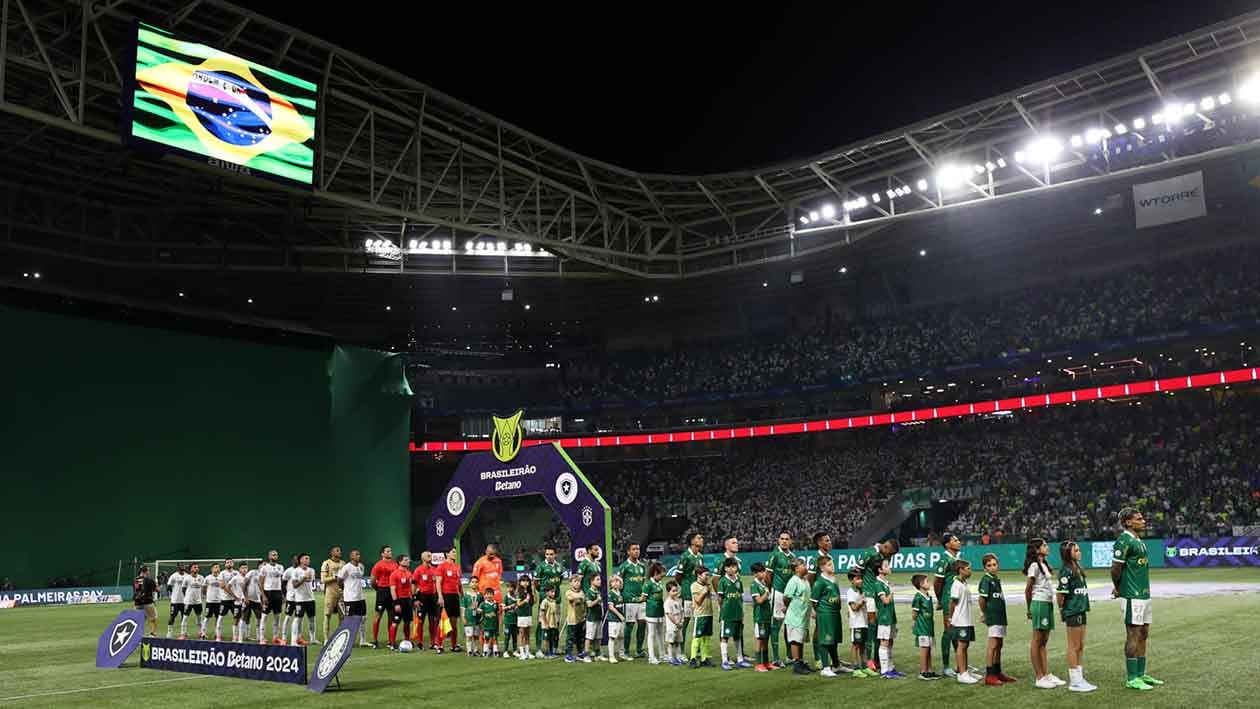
688 88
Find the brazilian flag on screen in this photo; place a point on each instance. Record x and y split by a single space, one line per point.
203 101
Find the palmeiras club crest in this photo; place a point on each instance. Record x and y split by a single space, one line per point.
507 438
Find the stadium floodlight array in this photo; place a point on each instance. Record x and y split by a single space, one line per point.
168 566
1043 151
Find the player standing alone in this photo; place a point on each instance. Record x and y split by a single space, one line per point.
382 571
1131 581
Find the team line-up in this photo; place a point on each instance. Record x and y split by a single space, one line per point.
791 596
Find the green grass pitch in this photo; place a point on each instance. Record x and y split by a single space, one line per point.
1204 646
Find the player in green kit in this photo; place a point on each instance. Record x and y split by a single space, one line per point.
1131 581
633 574
549 573
869 566
591 565
825 597
691 559
780 566
944 582
730 593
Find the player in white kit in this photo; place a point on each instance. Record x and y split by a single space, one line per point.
271 575
194 590
229 601
236 589
303 599
253 604
353 593
287 581
176 583
214 598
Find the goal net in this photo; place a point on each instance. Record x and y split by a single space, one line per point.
163 568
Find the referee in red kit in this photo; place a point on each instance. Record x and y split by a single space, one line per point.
381 573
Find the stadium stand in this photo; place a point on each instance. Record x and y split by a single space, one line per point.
1189 461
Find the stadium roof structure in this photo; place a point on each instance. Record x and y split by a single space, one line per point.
400 162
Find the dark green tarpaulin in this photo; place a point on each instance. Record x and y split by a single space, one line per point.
117 441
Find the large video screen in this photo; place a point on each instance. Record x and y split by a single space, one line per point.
216 106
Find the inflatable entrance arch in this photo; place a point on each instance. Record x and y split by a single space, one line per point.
534 470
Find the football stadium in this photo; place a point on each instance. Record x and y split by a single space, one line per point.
323 385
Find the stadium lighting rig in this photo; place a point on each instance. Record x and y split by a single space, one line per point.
1045 151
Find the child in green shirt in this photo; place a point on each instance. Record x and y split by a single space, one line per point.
924 626
549 620
594 618
490 613
470 601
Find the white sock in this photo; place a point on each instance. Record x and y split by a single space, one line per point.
651 643
218 625
1075 675
610 651
284 626
885 660
183 625
725 660
201 623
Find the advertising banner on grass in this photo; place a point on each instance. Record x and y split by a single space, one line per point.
271 663
64 596
1095 554
1194 552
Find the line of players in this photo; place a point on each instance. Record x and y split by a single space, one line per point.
286 596
788 592
794 598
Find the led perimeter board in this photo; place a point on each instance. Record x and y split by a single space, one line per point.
219 108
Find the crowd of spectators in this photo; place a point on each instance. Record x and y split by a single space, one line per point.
1190 461
1213 287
